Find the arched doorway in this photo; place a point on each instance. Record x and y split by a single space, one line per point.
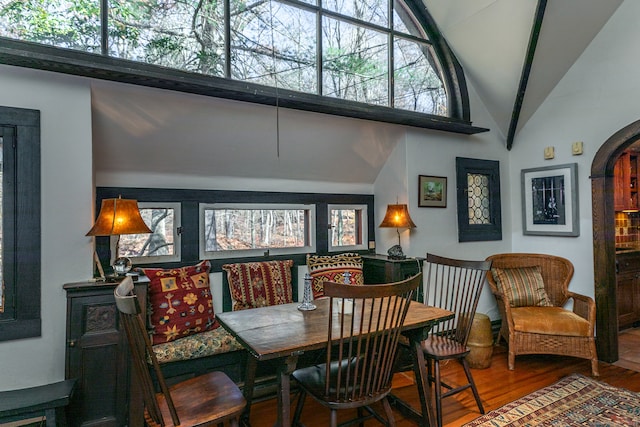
604 261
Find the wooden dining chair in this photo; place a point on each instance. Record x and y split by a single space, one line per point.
205 400
364 328
453 285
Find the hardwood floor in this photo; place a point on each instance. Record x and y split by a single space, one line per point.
496 385
629 349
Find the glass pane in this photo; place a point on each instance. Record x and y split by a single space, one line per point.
283 44
405 22
186 35
160 242
346 227
478 196
418 86
549 203
354 63
73 24
373 11
242 229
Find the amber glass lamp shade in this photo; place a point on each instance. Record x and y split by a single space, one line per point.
397 217
119 216
116 217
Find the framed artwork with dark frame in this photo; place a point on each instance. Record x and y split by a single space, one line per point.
432 191
478 196
550 201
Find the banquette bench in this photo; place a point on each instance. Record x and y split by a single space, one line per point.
209 347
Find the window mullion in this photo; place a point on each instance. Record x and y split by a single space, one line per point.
319 72
104 27
227 38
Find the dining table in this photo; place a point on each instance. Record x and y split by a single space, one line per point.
283 333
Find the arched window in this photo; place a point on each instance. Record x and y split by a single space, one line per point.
356 58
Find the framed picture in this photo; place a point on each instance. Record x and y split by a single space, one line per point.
432 191
550 201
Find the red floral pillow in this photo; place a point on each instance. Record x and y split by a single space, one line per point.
259 284
332 268
180 301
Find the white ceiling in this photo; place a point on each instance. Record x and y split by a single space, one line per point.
158 131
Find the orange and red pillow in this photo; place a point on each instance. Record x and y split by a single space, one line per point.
180 301
259 284
332 268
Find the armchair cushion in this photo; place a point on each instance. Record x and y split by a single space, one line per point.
331 268
522 286
549 321
259 284
180 302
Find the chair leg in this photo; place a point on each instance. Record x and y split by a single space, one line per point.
361 416
467 372
391 421
334 418
512 359
438 390
299 406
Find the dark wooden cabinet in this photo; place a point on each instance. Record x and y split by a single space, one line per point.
97 356
628 289
626 181
381 269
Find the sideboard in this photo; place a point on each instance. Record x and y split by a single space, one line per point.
97 356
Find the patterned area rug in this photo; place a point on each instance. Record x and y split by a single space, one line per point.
575 400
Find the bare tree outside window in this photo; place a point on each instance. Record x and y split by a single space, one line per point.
270 43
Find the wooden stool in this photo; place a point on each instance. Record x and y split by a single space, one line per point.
44 400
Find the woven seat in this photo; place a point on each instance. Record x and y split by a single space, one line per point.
550 328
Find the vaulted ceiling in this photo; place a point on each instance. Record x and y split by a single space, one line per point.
158 131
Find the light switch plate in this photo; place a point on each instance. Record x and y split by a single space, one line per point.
576 148
549 153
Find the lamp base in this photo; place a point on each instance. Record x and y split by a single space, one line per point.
395 252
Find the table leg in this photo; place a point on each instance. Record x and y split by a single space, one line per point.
249 382
422 381
284 390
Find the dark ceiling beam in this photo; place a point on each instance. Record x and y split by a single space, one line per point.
526 70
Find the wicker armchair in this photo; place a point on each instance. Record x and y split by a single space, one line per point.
549 329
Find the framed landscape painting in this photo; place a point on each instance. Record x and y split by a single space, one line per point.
550 201
432 191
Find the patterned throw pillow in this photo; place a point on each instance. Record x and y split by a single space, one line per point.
522 286
180 301
259 284
331 268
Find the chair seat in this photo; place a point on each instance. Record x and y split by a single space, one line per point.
439 347
549 321
222 394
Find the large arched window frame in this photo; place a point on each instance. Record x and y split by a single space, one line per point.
107 24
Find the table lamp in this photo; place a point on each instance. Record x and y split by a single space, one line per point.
116 217
397 217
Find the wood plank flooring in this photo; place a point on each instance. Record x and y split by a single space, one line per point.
496 385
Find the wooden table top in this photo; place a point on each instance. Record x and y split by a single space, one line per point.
283 330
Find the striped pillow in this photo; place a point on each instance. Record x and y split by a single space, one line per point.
522 286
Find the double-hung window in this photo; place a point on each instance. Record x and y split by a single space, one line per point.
162 245
348 225
248 230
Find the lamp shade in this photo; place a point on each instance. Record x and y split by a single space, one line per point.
119 216
397 216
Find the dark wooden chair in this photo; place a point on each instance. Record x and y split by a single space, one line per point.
454 285
364 329
206 400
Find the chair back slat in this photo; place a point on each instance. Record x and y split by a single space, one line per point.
454 285
141 352
364 329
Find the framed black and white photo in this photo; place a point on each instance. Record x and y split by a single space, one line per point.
550 201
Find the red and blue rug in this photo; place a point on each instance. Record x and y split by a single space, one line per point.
575 400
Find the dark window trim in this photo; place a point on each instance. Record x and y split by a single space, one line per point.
21 226
478 232
43 57
190 200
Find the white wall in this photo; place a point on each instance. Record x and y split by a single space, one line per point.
425 152
596 98
67 201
